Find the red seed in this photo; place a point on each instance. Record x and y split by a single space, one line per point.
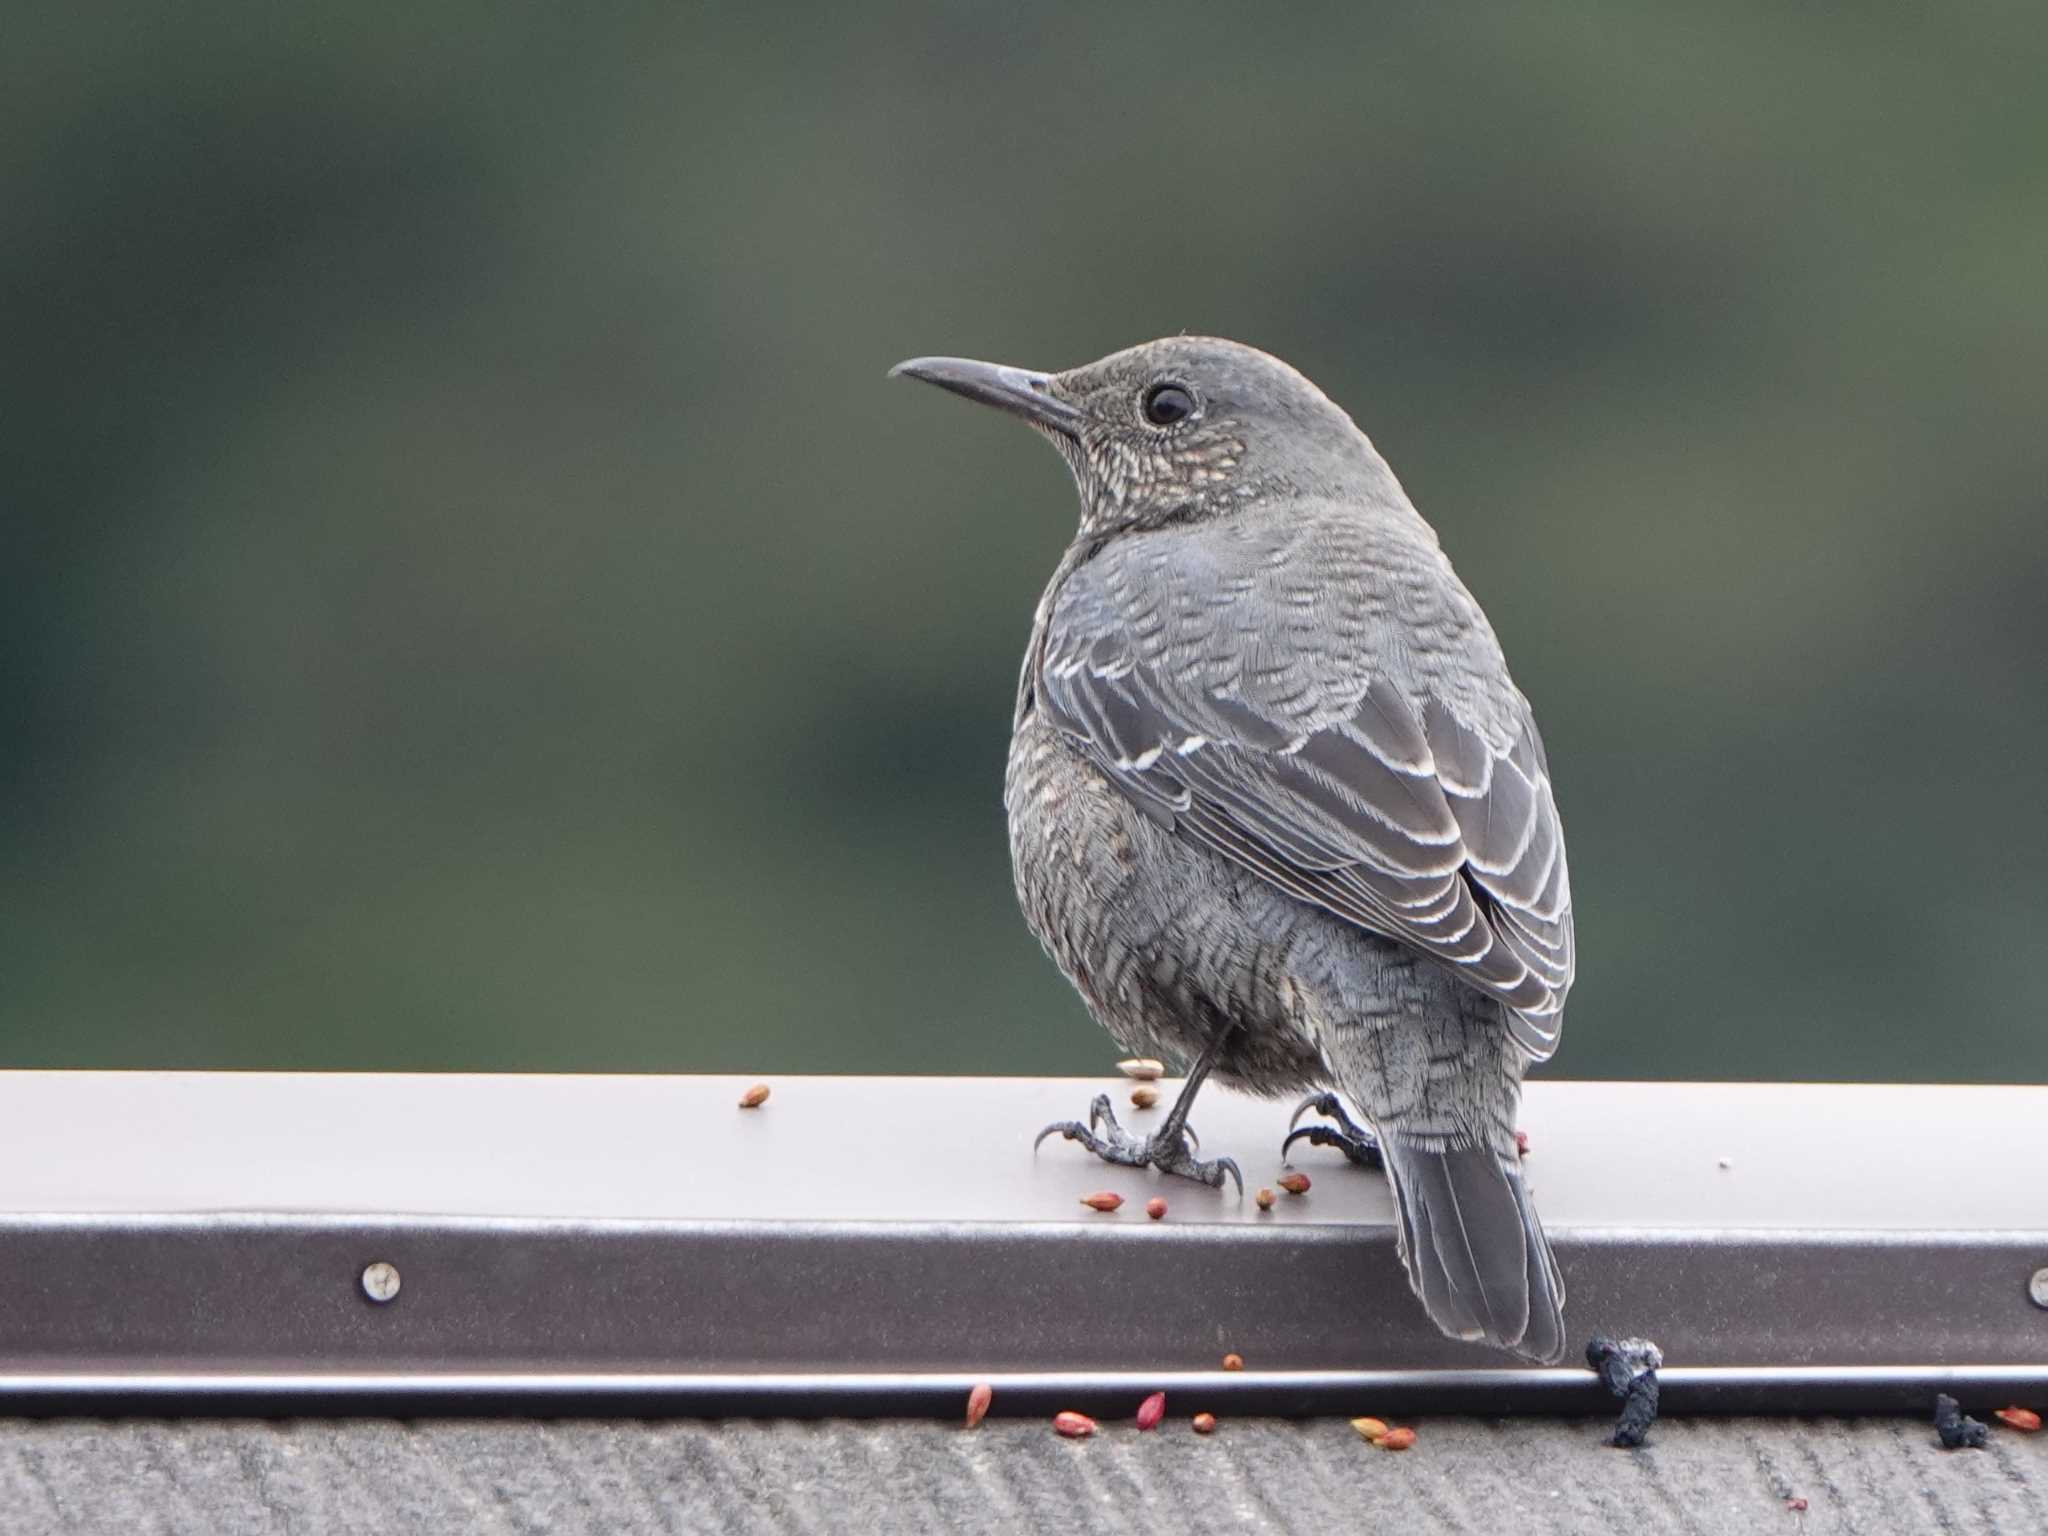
1205 1423
1265 1198
2024 1419
1397 1439
1103 1200
1233 1362
977 1403
1151 1411
1075 1426
754 1097
1294 1183
1155 1207
1521 1143
1795 1504
1144 1096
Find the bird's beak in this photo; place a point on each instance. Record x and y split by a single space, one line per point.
1020 391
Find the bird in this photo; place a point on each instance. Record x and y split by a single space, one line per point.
1276 807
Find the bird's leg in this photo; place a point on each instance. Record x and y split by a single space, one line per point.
1349 1137
1169 1149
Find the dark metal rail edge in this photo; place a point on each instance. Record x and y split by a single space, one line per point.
1698 1389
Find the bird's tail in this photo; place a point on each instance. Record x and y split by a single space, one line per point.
1474 1249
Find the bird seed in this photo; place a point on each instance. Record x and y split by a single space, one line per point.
978 1402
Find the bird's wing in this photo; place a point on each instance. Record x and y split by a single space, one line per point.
1344 729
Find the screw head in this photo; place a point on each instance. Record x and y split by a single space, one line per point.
380 1281
2037 1287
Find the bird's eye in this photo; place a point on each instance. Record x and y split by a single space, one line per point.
1167 403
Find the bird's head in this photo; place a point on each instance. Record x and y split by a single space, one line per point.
1176 430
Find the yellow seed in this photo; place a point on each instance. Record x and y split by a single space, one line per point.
1143 1068
1374 1430
1144 1096
1265 1198
754 1097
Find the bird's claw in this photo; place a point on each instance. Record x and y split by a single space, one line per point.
1073 1130
1359 1145
1114 1144
1220 1167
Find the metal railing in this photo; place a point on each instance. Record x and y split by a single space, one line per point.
333 1242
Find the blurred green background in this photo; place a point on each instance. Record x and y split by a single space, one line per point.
469 599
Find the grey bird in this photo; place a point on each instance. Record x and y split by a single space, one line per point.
1276 808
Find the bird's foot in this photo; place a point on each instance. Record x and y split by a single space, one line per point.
1172 1152
1357 1143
